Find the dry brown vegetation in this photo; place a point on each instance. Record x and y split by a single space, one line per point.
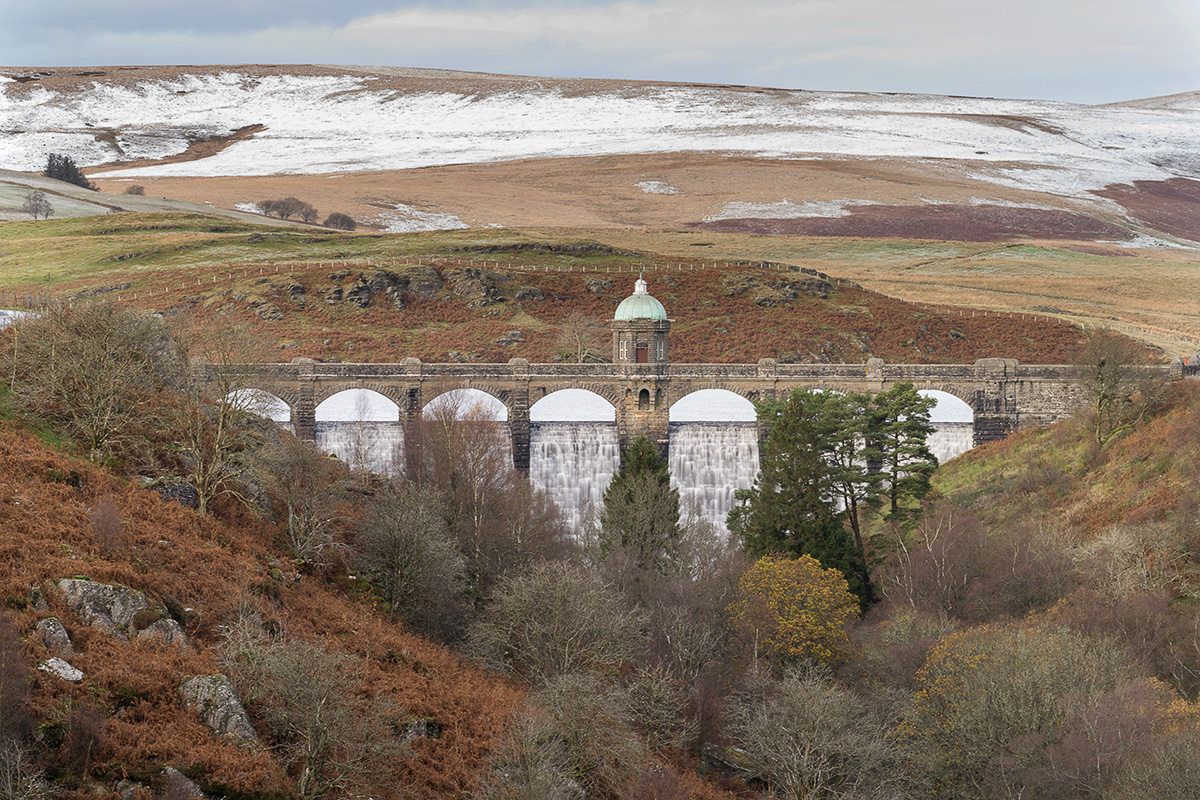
210 567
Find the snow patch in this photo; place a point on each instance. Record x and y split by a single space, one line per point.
656 187
783 209
411 219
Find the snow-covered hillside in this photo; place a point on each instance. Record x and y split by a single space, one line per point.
353 121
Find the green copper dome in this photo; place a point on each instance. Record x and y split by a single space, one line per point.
640 305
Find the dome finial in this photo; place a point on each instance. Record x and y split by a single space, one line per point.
639 286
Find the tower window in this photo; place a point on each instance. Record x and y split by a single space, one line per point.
644 400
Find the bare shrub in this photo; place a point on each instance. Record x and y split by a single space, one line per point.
891 644
83 739
20 779
135 188
405 547
593 720
658 707
532 762
108 529
555 619
1169 770
808 738
1163 635
331 738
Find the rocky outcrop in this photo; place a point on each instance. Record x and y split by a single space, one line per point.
214 699
123 613
769 289
479 288
55 637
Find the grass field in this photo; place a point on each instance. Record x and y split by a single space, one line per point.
156 259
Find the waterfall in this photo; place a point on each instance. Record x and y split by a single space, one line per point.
709 461
373 446
950 439
573 462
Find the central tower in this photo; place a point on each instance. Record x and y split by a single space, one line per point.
640 327
640 350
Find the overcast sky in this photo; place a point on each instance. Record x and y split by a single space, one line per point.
1088 51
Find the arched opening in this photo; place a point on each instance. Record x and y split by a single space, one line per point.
264 404
573 449
713 450
644 400
572 405
361 427
713 405
459 404
953 425
463 440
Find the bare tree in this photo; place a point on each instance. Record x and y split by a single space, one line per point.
808 738
340 221
308 213
95 367
582 338
36 205
556 619
1120 389
220 425
312 487
20 779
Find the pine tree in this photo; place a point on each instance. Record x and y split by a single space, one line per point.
897 435
641 510
62 168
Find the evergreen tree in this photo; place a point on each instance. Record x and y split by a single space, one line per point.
62 168
842 422
641 510
791 509
897 434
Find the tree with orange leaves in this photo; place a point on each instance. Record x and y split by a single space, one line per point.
793 609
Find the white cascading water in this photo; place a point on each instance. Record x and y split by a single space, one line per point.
573 462
709 461
951 439
371 446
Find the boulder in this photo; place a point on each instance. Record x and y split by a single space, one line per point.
164 632
218 706
121 612
61 669
55 637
